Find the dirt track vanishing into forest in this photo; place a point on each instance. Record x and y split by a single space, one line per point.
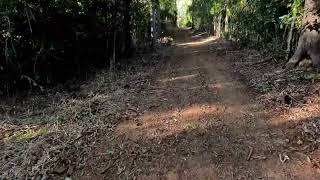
188 111
199 121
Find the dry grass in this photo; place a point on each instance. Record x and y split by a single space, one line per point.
273 82
50 135
41 150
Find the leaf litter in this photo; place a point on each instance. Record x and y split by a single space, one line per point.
295 93
50 134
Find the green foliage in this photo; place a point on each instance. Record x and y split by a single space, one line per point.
141 16
257 23
202 12
168 11
217 7
295 14
26 135
184 15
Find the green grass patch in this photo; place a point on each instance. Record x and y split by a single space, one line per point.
26 135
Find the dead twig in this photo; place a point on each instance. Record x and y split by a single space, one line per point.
107 168
250 153
111 164
259 157
283 158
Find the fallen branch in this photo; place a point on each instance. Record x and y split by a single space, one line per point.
262 61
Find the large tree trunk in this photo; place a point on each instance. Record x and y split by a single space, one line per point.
309 42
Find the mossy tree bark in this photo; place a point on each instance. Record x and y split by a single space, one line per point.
309 42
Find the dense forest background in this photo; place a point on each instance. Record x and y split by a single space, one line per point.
254 23
45 42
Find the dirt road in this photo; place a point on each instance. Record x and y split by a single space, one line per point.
199 121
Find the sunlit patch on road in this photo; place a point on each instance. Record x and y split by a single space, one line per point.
199 43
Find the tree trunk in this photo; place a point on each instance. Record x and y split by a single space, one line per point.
218 25
127 28
226 18
290 37
311 12
309 41
112 60
192 23
155 20
226 23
